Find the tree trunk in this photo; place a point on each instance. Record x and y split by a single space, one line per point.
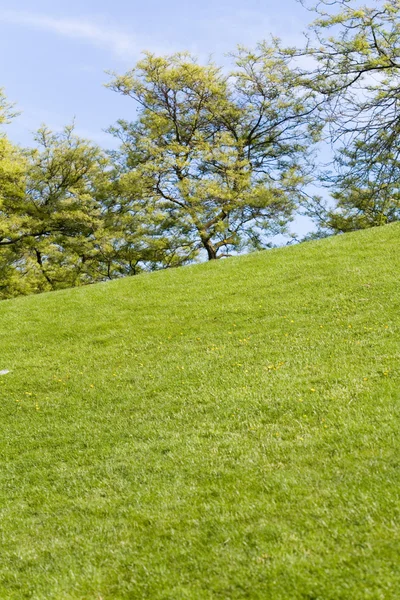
211 251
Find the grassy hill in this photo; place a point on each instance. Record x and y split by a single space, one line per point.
222 431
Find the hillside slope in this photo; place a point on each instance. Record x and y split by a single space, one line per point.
227 430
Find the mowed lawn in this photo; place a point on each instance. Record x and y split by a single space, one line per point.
227 430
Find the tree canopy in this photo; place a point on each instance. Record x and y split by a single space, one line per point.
355 51
222 155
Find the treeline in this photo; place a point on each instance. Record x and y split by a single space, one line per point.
214 162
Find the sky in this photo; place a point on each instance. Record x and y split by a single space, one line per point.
55 55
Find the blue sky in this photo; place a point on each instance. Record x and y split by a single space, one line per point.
55 54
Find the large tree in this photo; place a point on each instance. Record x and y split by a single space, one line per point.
220 156
355 51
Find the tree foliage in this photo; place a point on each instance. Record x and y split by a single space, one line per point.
356 54
221 156
50 224
12 172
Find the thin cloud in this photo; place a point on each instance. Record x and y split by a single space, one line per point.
120 43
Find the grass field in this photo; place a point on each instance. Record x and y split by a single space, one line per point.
221 431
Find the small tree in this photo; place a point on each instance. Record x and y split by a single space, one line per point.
50 224
221 157
12 180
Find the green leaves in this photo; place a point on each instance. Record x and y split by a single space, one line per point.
50 216
356 75
207 143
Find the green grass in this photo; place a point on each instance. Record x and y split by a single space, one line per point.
222 431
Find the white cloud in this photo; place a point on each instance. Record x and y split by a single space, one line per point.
120 43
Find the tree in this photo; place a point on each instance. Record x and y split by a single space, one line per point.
7 111
220 157
366 192
51 223
356 53
12 174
